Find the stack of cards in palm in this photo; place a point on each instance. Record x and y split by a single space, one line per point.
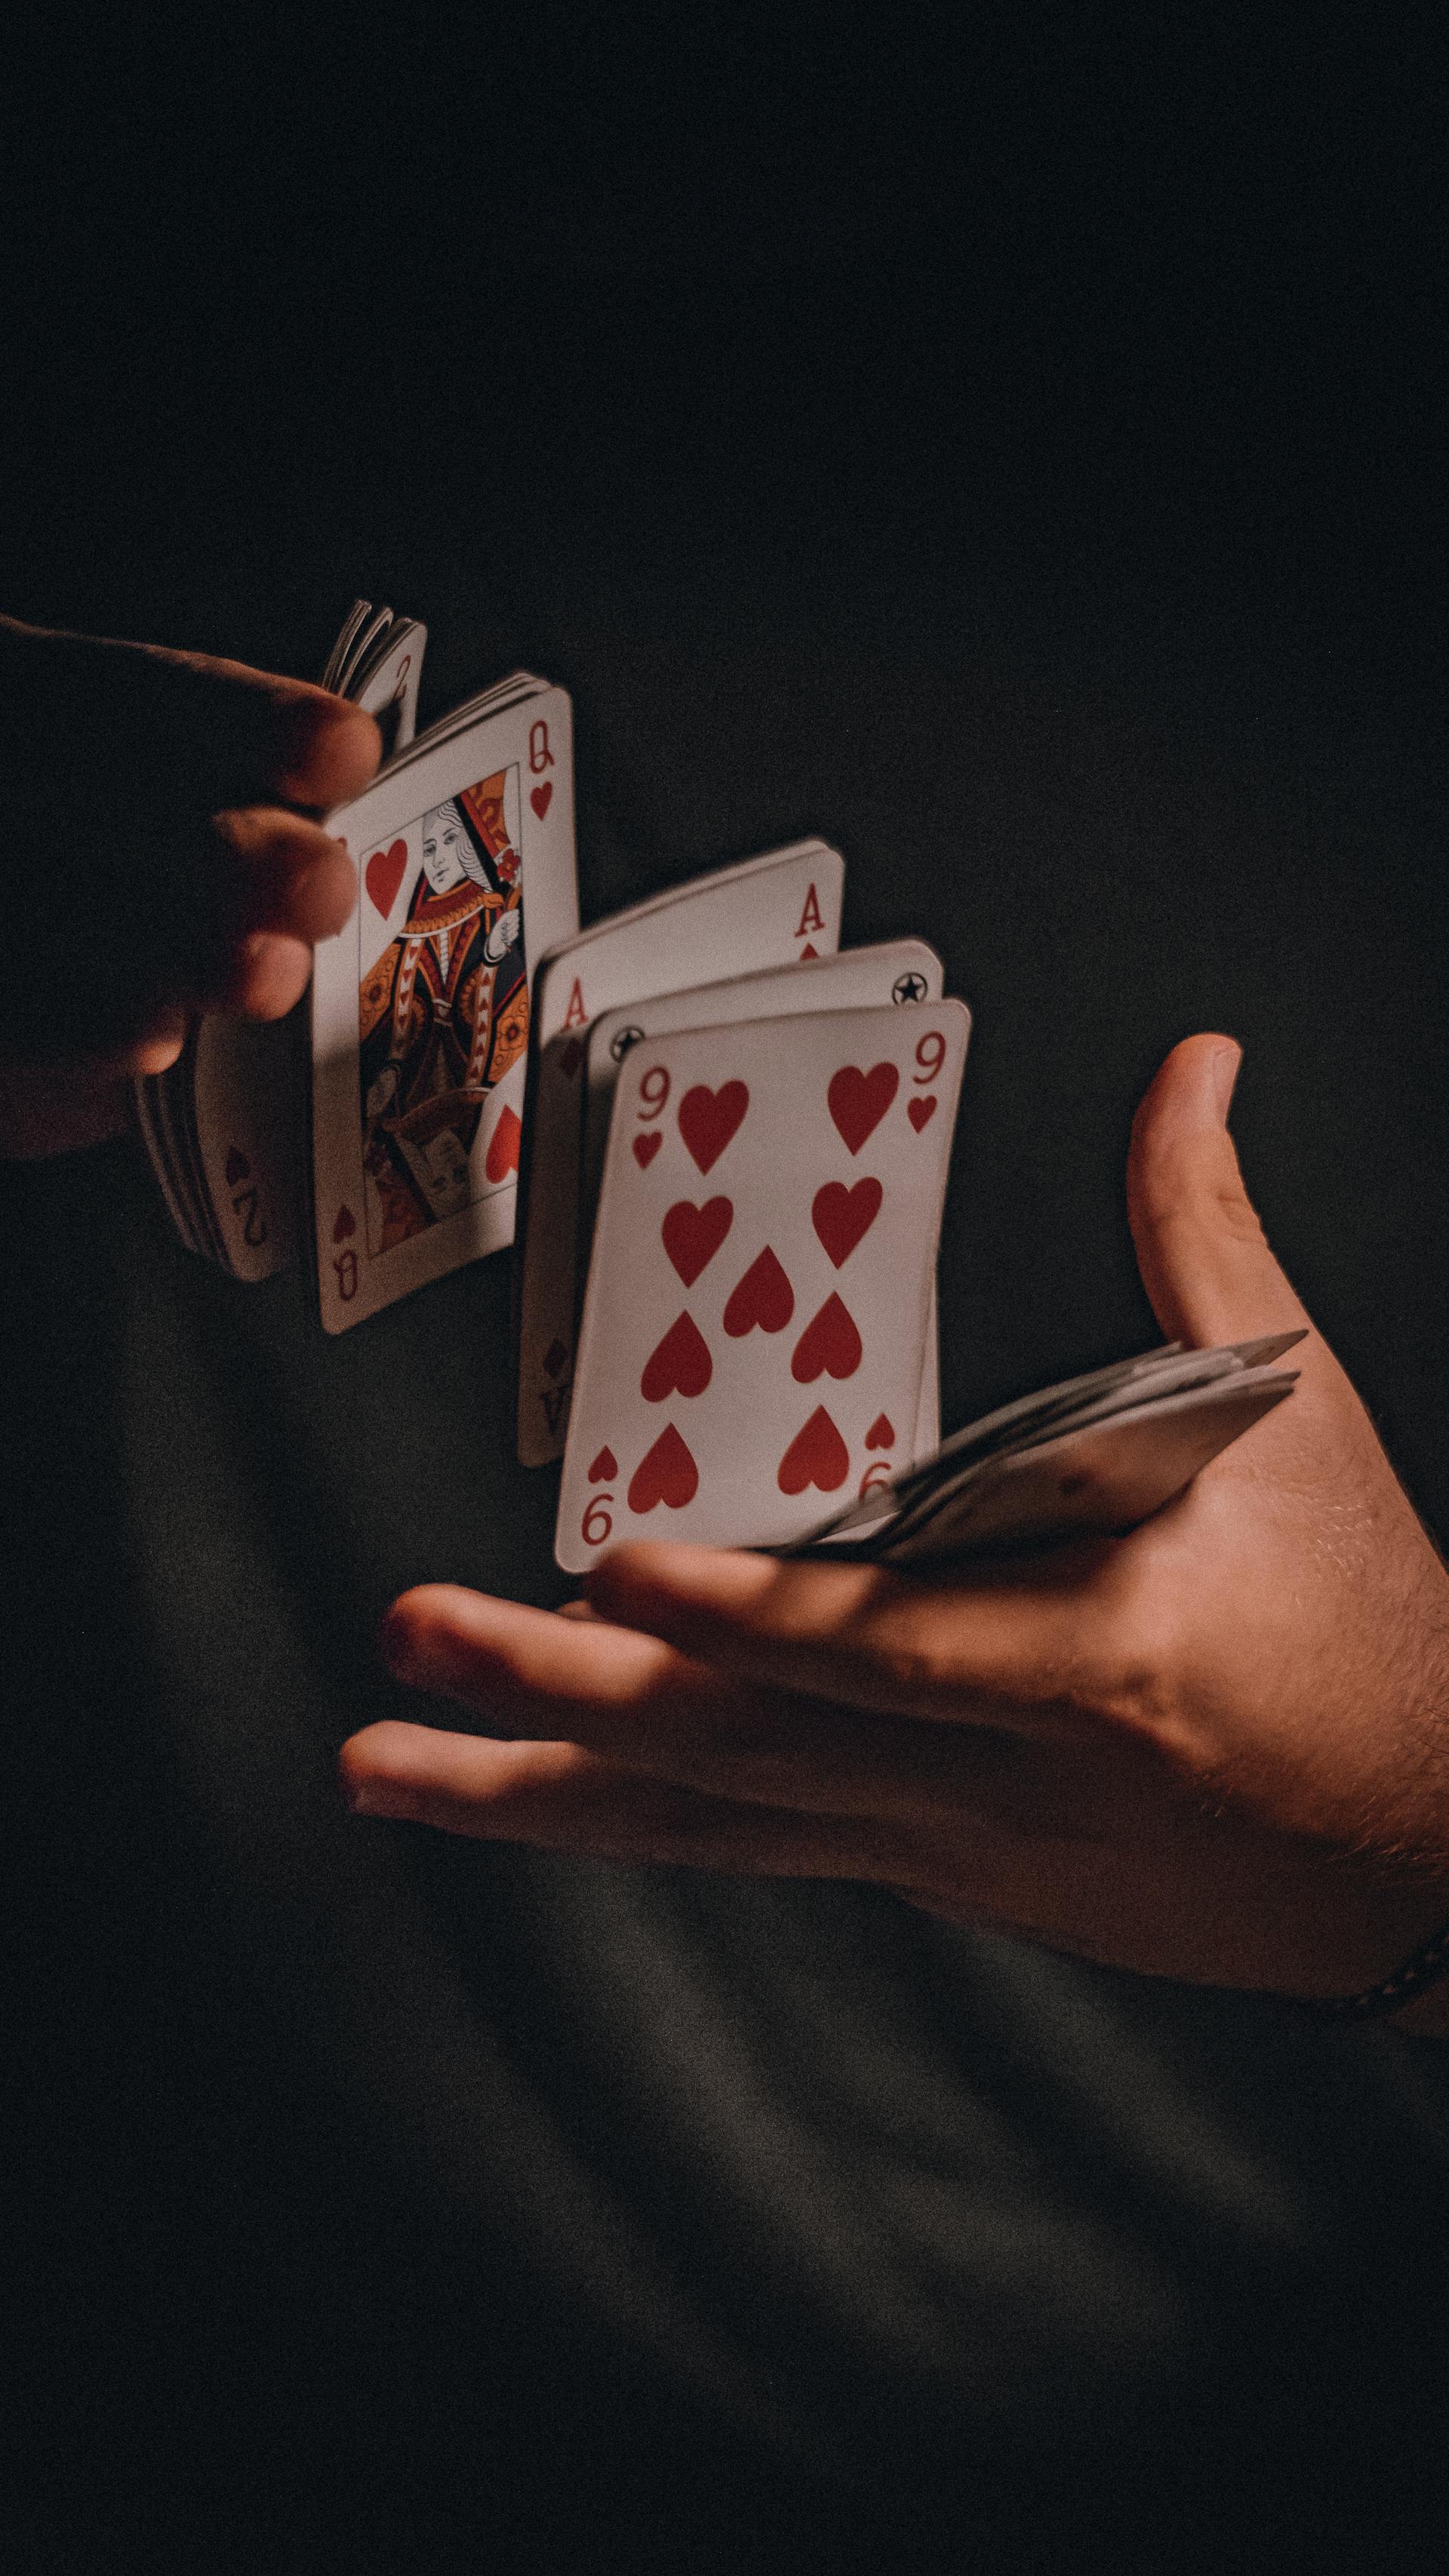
1092 1457
737 1148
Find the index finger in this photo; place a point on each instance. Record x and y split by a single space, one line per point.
1005 1650
222 733
314 749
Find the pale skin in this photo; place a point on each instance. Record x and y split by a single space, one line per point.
1217 1749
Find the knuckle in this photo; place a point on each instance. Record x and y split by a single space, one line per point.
327 745
1128 1674
918 1666
266 836
1236 1214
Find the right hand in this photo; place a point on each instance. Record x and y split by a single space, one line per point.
1215 1749
159 824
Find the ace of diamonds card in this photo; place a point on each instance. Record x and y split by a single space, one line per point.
754 1325
420 1006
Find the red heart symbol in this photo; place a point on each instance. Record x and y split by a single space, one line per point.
645 1149
830 1342
502 1155
841 1216
693 1235
679 1365
764 1296
882 1433
554 1357
858 1101
571 1056
816 1456
540 798
346 1224
604 1466
384 874
665 1474
708 1119
921 1112
237 1167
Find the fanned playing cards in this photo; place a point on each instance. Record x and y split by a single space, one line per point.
225 1125
722 1140
1092 1457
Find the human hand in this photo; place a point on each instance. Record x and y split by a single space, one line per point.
1216 1749
158 822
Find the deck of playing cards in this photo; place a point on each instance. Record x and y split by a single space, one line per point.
722 1139
728 1248
418 1014
737 1138
225 1125
420 1006
1091 1457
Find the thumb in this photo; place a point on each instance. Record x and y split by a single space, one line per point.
1200 1248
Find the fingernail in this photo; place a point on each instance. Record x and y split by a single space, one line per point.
1224 1075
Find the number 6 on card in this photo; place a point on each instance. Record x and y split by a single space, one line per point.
754 1331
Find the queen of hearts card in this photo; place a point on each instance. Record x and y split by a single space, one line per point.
464 849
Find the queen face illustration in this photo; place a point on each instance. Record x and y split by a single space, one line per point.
448 855
443 1014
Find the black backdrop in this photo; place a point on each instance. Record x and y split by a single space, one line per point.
1011 444
1010 449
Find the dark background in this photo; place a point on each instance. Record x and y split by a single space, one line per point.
1010 444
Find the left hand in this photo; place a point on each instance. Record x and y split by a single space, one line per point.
162 844
1216 1749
